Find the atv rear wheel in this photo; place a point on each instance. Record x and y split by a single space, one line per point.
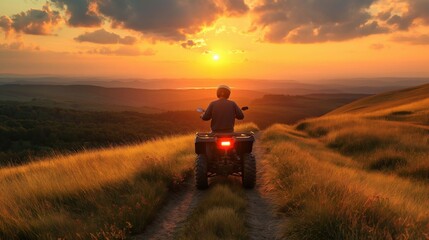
201 179
248 177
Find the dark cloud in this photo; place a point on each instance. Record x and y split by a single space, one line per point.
123 51
162 19
235 7
415 40
6 24
190 44
36 22
168 19
82 13
102 36
417 10
307 21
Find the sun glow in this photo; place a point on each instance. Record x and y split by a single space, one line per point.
216 57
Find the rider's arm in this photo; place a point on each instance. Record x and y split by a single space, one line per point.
208 113
238 113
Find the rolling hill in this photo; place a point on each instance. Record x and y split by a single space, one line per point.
385 101
288 109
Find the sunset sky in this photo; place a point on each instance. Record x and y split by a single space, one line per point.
260 39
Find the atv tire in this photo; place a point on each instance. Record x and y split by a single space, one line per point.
201 179
248 177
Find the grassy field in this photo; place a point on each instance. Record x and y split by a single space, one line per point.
105 194
354 175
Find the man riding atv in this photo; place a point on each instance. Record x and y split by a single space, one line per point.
224 152
222 112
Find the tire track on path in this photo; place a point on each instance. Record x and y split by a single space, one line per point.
173 215
261 219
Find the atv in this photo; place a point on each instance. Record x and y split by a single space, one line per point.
224 154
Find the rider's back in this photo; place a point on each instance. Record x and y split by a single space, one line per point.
223 113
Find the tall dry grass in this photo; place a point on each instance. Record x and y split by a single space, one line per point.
376 145
325 199
103 194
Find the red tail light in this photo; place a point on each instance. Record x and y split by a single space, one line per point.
225 143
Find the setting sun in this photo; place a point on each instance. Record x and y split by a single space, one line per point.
216 57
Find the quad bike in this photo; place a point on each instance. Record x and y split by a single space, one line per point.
224 154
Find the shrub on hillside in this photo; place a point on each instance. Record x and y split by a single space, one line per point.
388 163
356 142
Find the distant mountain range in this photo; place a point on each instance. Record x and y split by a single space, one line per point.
84 97
353 85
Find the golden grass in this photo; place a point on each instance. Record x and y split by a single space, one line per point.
92 193
327 200
245 127
219 215
413 97
381 145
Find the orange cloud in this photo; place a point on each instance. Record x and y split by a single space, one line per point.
102 36
190 44
35 22
123 51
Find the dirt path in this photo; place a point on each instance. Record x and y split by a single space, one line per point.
263 224
173 214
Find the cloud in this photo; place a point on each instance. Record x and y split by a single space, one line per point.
12 46
235 7
102 36
415 40
190 44
308 21
6 24
123 51
417 10
36 22
18 45
82 13
170 20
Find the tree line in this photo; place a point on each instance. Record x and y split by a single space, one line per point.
31 132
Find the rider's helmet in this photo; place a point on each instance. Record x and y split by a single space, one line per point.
223 91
